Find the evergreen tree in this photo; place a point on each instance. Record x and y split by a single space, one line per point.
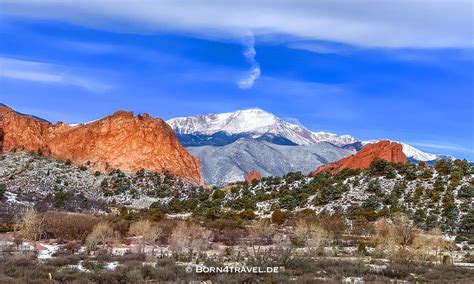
419 218
467 222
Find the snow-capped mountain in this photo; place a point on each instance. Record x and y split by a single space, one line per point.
412 152
226 128
254 123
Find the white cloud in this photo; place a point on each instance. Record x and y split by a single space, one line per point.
293 120
401 23
249 80
318 48
47 73
436 145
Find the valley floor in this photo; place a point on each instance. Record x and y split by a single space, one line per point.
189 250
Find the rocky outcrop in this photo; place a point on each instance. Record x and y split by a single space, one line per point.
253 176
386 150
120 141
1 140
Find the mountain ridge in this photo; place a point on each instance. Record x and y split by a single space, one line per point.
255 123
232 162
226 128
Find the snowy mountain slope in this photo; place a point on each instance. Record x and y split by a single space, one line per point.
226 128
417 154
254 123
221 138
230 163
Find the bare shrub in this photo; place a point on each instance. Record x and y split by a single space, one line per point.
226 231
282 250
102 234
430 246
146 231
404 230
30 224
311 236
68 226
401 242
261 234
360 226
392 240
189 238
334 224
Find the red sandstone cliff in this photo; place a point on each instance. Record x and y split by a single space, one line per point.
253 175
386 150
121 141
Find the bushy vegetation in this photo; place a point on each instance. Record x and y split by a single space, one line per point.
3 189
385 188
306 244
394 212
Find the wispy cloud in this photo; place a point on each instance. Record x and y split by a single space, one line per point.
47 73
249 80
293 120
319 47
403 23
442 146
89 47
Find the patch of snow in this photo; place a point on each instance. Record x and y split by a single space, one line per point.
355 280
377 268
179 215
12 199
48 252
111 265
121 251
82 123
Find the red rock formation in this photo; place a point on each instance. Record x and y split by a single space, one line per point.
120 141
253 175
386 150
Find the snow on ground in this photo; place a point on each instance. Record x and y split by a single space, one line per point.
108 265
355 280
120 250
12 199
48 252
45 251
179 215
111 265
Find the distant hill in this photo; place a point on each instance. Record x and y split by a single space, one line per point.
232 162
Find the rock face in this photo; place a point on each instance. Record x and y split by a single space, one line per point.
253 175
120 141
386 150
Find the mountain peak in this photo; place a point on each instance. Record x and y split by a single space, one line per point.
255 123
253 110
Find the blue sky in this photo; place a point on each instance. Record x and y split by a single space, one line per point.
403 72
